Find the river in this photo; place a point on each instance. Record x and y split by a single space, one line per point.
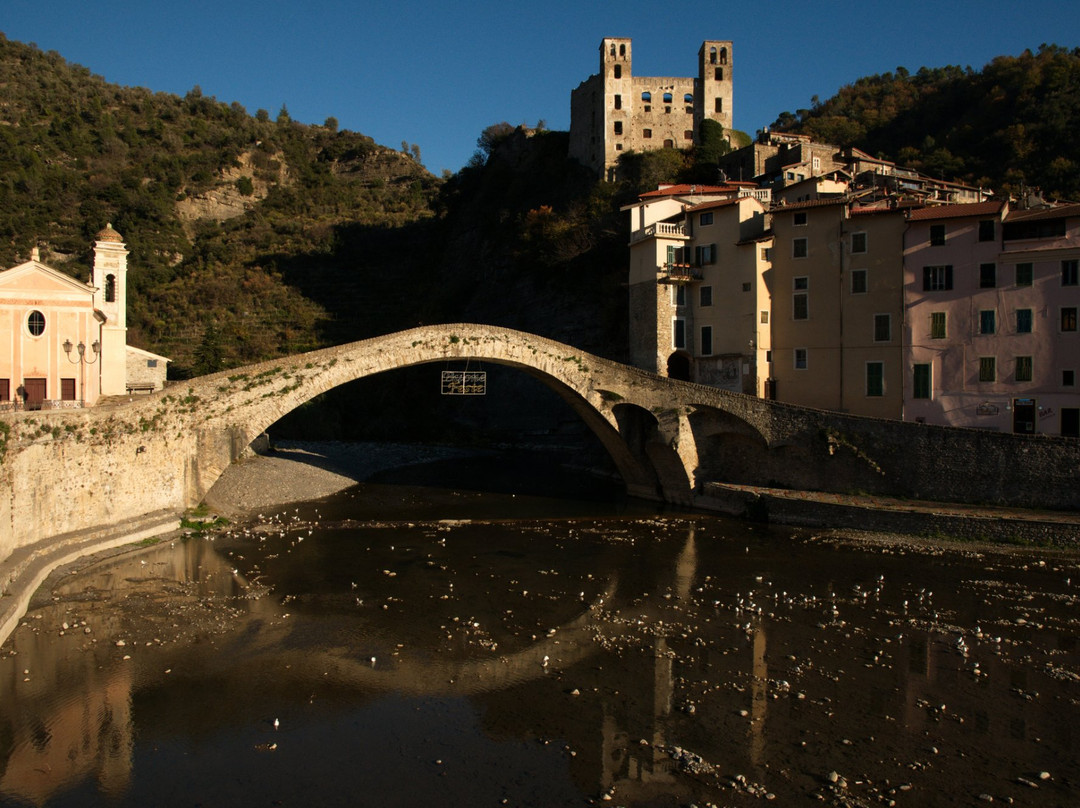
405 645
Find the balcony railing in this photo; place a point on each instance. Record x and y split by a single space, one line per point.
679 273
47 404
666 229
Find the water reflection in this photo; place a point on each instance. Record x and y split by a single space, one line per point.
651 661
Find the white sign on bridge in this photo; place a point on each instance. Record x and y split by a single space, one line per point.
464 382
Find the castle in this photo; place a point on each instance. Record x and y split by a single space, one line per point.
614 112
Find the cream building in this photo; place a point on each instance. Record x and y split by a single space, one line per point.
614 111
63 343
699 296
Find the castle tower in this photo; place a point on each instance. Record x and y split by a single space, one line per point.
714 91
110 298
616 71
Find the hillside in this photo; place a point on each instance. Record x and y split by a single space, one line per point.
215 205
1011 125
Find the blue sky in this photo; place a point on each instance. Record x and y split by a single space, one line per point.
436 73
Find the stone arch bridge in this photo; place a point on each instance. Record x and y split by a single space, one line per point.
140 463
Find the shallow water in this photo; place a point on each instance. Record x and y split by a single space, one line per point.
404 646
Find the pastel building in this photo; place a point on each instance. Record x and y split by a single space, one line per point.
992 299
63 343
699 296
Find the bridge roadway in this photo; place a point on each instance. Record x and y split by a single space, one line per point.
76 480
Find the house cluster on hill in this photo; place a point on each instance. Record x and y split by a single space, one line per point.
829 278
63 343
961 314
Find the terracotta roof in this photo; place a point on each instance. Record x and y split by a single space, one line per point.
719 203
108 234
684 190
813 203
1059 212
957 211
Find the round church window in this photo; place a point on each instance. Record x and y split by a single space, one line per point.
36 323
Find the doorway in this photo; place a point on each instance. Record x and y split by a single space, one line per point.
678 367
1024 416
34 393
1070 422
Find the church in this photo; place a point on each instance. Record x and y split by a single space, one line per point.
63 343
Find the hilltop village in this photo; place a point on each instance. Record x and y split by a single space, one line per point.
829 278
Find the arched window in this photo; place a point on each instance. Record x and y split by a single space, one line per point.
646 97
688 98
667 98
35 323
110 288
612 48
712 55
622 50
723 56
669 143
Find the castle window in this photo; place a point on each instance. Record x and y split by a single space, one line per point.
618 127
647 133
667 98
622 50
669 143
688 98
688 134
719 104
110 288
35 323
646 97
618 101
723 56
719 74
612 48
712 55
618 71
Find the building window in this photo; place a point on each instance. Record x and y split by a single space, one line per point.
1068 379
719 106
858 281
706 340
151 363
1068 318
669 143
766 253
800 359
1023 368
986 230
705 254
688 98
799 248
110 289
921 381
764 317
67 389
618 71
746 287
937 325
1024 321
987 368
618 101
667 98
647 133
688 134
718 75
937 235
800 299
987 321
799 219
937 279
705 296
1024 274
875 379
882 327
705 218
618 127
678 295
858 242
35 323
5 389
1069 272
987 276
646 97
678 333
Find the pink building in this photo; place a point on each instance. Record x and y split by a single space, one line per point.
991 301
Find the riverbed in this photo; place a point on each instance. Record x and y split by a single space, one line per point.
403 644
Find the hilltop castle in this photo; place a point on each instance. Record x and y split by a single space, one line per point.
615 112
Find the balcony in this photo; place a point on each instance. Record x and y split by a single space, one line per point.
679 274
664 229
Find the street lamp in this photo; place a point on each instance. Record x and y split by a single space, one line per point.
82 361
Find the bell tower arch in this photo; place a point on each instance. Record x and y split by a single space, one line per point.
110 299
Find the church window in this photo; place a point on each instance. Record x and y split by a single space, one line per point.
35 323
110 288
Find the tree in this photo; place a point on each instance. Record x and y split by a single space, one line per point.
492 136
712 143
262 115
209 356
283 115
331 123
